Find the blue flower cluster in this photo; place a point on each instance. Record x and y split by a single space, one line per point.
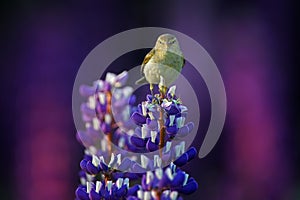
108 171
166 184
151 115
106 190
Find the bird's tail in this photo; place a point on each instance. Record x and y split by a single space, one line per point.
141 81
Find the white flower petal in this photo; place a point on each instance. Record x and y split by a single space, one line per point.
140 194
149 177
112 159
172 118
153 136
96 124
144 161
172 90
119 183
109 185
157 161
144 108
168 147
186 178
95 161
159 173
98 186
107 118
144 131
89 187
110 78
147 195
174 195
168 172
126 182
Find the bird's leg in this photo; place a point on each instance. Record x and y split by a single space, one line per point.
162 87
152 93
163 90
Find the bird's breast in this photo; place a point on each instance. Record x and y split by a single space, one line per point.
169 69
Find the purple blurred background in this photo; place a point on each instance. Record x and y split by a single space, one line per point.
252 42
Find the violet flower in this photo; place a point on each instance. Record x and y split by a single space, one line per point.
108 175
147 118
106 190
166 184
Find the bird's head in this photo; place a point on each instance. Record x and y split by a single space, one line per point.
167 42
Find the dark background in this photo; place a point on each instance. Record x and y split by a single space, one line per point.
253 43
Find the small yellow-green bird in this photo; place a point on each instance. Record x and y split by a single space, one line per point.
163 63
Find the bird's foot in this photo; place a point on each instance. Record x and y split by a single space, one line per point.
163 91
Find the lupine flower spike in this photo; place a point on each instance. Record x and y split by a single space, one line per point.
157 124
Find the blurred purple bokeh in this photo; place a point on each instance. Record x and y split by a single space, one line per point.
252 43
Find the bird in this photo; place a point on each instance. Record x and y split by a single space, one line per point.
163 64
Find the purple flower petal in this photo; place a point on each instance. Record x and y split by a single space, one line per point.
169 95
81 194
82 174
107 86
104 193
101 108
152 124
183 131
87 111
138 131
192 152
182 160
137 168
91 168
131 176
139 108
190 125
149 98
117 175
139 142
151 146
172 109
83 164
132 198
138 118
122 191
133 190
178 179
121 79
88 157
94 195
105 128
164 181
144 184
125 164
189 188
86 90
134 148
132 100
103 166
172 130
86 118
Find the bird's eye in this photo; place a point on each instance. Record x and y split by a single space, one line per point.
172 42
160 42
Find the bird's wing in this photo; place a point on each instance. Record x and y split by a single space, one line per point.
146 60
